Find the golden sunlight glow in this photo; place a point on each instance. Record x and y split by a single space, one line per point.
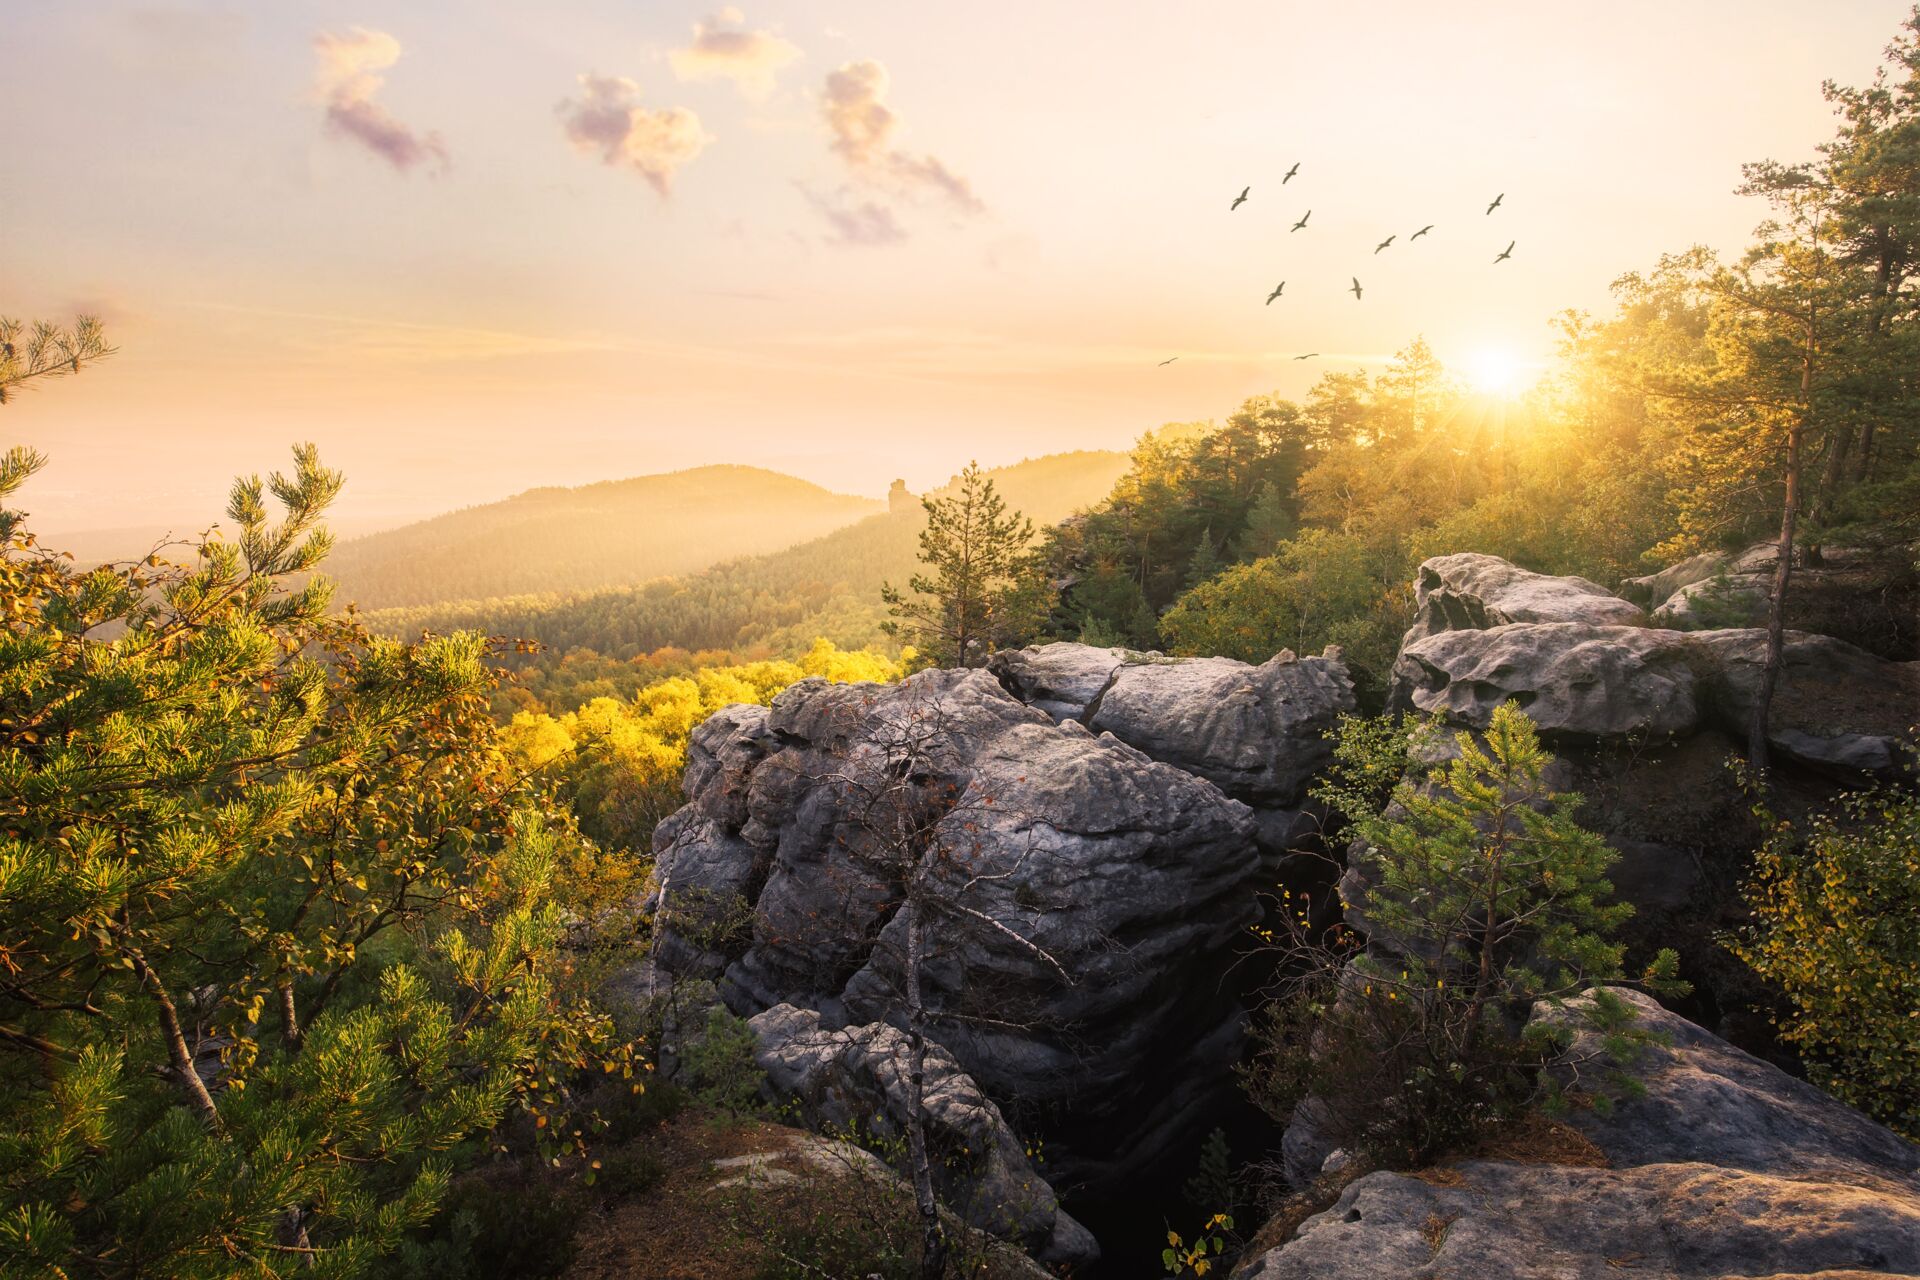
1496 371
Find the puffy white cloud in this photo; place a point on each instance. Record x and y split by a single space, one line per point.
862 129
724 49
346 79
607 119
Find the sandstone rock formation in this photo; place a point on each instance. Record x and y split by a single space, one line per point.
854 1080
1136 875
1471 591
1726 1168
1835 705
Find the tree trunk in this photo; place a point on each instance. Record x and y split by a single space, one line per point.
178 1055
289 1016
933 1244
1783 570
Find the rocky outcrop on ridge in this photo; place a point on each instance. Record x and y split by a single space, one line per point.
1258 733
1134 874
1726 1168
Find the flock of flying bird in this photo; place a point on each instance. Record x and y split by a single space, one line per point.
1355 289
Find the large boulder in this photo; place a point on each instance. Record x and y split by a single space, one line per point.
1834 706
1575 679
1063 846
1726 1168
1257 732
853 1081
1471 591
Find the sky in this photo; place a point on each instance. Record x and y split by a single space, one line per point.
470 248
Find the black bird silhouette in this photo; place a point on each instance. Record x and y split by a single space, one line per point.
1422 231
1384 243
1355 291
1276 292
1310 355
1239 199
1496 202
1289 178
1168 360
1303 220
1505 253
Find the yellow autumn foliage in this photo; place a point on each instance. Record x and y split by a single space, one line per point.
624 758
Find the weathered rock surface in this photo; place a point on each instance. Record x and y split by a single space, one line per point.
1472 592
1060 679
1869 598
1728 1168
1133 874
854 1080
1575 679
1835 705
1258 733
1709 1102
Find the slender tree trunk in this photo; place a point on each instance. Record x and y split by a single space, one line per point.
1783 570
933 1244
178 1055
289 1015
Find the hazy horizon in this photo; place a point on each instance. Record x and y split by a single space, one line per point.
422 239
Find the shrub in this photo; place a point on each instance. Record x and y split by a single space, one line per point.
718 1065
1485 897
1836 923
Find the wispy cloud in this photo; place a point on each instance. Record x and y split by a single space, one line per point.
854 221
347 78
608 119
863 127
724 49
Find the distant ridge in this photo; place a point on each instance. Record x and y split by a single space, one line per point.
781 600
612 533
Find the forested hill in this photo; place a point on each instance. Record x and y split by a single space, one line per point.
615 533
829 586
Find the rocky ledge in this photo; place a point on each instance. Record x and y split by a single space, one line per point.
1727 1168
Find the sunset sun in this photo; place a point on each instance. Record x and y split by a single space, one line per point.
1496 371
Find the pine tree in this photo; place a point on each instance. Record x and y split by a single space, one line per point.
1270 521
1205 561
970 603
283 923
1485 899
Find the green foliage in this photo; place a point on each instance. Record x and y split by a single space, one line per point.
1212 1182
1318 589
495 1227
47 350
284 924
1371 756
1485 899
969 602
1203 1254
1835 901
718 1066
